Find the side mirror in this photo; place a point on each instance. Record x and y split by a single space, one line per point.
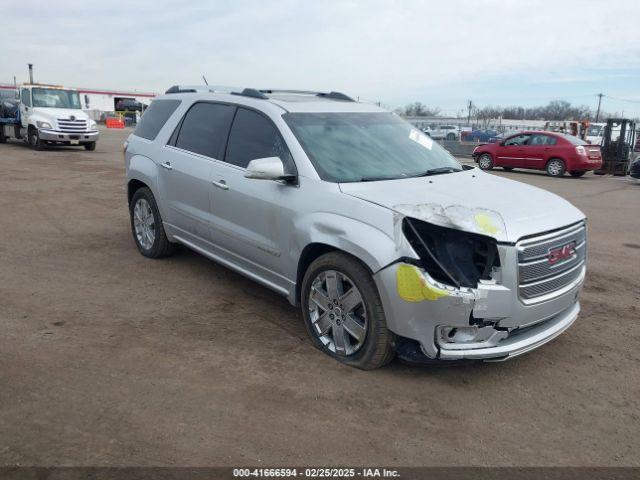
269 168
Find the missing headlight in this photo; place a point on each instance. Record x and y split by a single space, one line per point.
452 256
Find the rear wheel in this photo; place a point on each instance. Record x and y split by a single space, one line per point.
577 173
91 146
3 137
508 169
485 162
451 136
555 167
146 225
343 312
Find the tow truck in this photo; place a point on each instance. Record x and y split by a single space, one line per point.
48 115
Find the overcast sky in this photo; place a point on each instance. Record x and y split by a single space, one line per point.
441 53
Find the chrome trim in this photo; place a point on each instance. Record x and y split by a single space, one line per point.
533 253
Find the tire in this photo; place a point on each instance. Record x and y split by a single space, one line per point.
555 167
508 169
372 344
159 245
34 139
451 136
485 161
90 146
577 173
3 137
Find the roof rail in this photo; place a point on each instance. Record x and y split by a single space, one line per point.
182 89
255 93
331 95
251 92
336 96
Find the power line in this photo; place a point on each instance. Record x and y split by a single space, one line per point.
621 99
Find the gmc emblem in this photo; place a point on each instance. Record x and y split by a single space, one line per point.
561 253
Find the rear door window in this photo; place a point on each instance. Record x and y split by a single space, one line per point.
205 128
155 117
517 140
254 136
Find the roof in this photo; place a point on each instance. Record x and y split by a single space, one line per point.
278 100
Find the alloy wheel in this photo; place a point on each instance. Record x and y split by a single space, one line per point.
338 313
554 168
144 224
485 162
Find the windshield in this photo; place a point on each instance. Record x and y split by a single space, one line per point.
354 147
595 130
55 98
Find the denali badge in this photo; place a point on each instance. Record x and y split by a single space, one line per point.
561 253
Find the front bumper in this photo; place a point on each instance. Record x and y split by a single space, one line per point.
517 342
57 136
509 326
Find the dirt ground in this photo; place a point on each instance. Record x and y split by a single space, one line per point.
109 358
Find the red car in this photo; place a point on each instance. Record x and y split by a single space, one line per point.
554 152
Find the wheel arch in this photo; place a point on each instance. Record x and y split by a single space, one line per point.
310 254
141 172
133 186
326 233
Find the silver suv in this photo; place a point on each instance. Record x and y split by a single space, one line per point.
388 244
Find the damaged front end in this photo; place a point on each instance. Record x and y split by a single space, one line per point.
456 297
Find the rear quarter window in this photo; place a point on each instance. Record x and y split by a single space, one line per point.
155 117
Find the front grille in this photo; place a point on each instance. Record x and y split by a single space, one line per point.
537 275
72 126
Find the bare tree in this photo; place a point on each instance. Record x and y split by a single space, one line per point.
418 109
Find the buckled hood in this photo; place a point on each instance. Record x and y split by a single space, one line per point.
471 200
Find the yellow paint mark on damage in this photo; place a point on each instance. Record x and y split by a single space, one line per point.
413 287
485 224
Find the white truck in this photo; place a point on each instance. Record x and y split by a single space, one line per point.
48 115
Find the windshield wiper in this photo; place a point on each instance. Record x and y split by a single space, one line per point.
432 171
438 171
379 179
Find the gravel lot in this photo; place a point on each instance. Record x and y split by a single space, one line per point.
108 358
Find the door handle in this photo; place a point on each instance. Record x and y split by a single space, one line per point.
166 165
221 184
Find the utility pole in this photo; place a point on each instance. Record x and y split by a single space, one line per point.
30 72
599 101
469 115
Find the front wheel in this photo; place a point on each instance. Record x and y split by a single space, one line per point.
146 225
555 167
485 162
34 140
577 173
91 146
343 312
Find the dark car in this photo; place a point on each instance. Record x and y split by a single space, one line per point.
478 135
634 168
129 105
556 153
